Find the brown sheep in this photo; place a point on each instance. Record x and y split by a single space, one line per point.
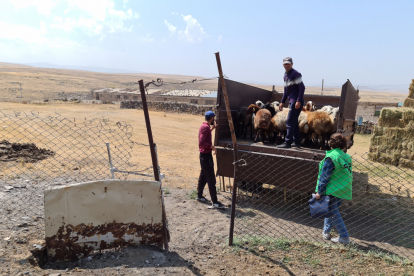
253 108
262 123
320 124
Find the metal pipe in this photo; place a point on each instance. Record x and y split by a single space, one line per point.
234 140
110 160
149 131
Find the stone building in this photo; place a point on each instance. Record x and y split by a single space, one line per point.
370 111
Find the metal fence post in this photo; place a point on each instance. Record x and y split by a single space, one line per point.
154 158
110 160
234 140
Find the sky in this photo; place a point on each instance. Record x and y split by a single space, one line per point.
369 42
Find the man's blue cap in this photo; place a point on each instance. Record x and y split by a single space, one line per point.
209 114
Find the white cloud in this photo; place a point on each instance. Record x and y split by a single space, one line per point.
170 27
125 2
43 6
23 33
147 38
219 38
94 17
193 31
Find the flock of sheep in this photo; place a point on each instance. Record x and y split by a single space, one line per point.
316 126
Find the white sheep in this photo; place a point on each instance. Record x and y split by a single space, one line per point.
334 120
260 104
327 108
279 122
275 105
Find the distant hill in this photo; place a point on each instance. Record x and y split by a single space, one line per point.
81 68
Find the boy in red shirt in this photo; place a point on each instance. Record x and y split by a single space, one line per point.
206 161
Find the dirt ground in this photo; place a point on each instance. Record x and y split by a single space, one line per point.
199 247
198 235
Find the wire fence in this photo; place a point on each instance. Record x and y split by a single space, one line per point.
378 218
37 153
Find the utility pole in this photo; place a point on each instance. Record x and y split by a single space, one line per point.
322 86
21 95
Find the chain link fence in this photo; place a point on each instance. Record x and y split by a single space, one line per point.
378 218
37 153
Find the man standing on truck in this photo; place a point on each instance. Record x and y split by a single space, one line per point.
294 90
206 161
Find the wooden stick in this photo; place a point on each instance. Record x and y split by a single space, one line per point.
234 140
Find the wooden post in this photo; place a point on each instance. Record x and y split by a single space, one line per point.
234 140
154 157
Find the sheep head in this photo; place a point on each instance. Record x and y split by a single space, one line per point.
327 108
253 108
275 105
310 106
260 104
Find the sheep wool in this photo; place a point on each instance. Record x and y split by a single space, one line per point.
303 122
262 119
319 122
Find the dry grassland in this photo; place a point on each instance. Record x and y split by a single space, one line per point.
176 136
45 83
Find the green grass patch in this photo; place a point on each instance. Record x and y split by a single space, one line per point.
166 190
312 250
192 194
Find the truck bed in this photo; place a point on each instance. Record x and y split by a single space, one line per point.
264 163
270 148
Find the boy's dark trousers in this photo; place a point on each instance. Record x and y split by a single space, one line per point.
207 176
292 124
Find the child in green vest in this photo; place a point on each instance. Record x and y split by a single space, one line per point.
335 180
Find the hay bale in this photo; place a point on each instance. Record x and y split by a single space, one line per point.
406 163
391 113
378 131
388 122
376 140
408 114
411 90
409 103
393 139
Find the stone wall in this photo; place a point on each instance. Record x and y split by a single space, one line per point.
117 97
367 112
194 109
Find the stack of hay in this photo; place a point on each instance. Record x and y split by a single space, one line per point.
393 139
